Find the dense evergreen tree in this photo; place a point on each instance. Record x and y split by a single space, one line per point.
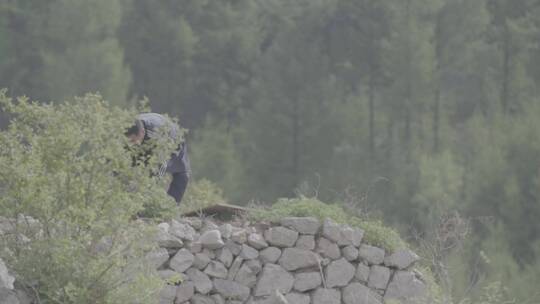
81 52
290 125
192 58
64 48
423 107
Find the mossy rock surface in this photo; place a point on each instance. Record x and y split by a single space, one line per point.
376 233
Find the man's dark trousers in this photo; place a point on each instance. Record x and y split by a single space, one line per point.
178 186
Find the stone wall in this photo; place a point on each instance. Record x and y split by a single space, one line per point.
298 261
8 293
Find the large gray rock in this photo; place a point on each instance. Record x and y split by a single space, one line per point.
350 253
373 255
201 260
201 281
298 298
401 259
405 287
239 235
355 236
281 237
200 299
165 239
211 239
218 299
342 234
167 294
356 293
252 300
185 292
8 296
6 280
339 273
326 296
216 269
225 256
362 273
235 248
194 247
231 290
328 249
246 276
294 258
182 260
226 230
273 277
248 253
254 265
307 281
182 231
335 232
270 255
235 267
156 258
257 241
306 242
378 277
277 298
210 253
22 298
304 225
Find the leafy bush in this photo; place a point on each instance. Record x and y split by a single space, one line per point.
200 194
375 232
496 293
437 294
65 166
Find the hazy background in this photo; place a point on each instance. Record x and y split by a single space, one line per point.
423 113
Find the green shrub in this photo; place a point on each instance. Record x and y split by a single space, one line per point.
200 194
436 293
496 292
375 232
66 166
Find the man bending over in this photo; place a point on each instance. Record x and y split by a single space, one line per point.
149 126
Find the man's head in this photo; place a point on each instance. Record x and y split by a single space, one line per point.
136 132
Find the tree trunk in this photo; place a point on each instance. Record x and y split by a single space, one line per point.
295 142
439 51
390 136
407 129
506 69
436 118
408 93
371 94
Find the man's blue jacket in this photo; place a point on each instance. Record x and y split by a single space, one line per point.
152 122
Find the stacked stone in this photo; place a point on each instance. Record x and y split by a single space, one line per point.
299 261
8 293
